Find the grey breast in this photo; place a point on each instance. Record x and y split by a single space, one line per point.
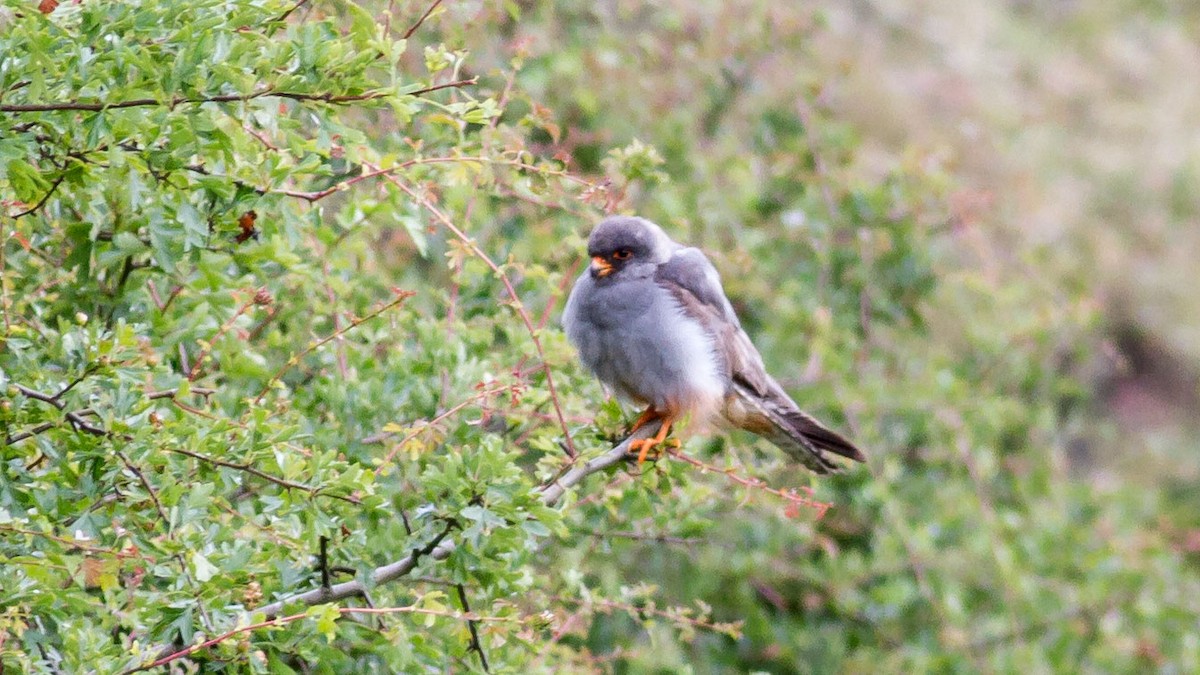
626 333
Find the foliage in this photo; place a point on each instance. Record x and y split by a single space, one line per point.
279 288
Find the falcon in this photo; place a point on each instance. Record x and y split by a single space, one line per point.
650 318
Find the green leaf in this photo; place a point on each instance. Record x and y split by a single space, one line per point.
26 182
202 569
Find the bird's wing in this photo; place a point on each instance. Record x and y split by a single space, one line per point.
696 286
770 412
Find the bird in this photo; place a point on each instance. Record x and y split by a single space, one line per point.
649 317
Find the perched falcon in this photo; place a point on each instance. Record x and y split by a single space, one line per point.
650 318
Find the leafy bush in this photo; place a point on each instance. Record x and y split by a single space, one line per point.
283 388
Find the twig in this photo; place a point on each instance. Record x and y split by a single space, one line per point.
206 348
283 17
248 468
637 536
46 197
674 614
429 425
400 297
162 513
73 383
794 499
413 29
343 366
312 196
518 306
76 417
325 97
472 626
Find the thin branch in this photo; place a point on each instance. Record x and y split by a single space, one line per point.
45 198
676 615
413 29
76 417
637 536
178 100
376 438
34 431
325 97
73 383
162 513
518 306
456 84
400 297
130 552
318 195
260 297
46 398
171 393
249 468
795 499
79 423
473 627
283 17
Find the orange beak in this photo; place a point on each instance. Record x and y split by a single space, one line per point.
601 267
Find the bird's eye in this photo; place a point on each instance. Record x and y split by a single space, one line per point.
623 254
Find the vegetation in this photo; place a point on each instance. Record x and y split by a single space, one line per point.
282 387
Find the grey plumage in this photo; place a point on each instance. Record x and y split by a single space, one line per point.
651 320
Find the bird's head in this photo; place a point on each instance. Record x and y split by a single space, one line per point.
622 242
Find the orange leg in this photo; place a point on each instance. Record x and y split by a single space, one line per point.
647 415
643 445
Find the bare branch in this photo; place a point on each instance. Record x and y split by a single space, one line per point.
324 97
413 29
46 398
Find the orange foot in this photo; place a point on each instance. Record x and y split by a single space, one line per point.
643 445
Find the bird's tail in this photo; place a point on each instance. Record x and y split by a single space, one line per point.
778 419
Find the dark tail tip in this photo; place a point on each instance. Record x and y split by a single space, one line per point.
825 438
